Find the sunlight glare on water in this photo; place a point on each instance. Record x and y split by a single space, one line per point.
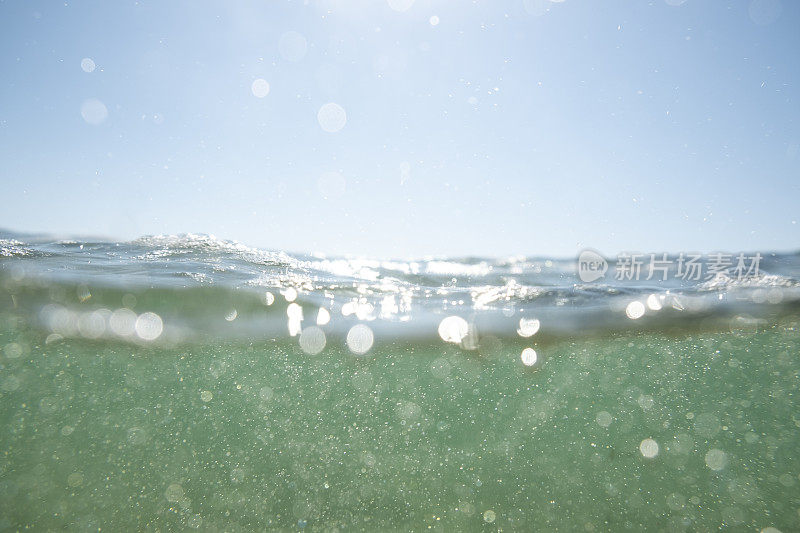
453 329
360 339
205 359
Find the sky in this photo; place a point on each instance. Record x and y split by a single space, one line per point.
406 128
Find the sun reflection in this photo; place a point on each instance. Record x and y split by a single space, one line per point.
453 329
528 327
360 339
149 326
295 314
529 357
635 310
312 340
323 316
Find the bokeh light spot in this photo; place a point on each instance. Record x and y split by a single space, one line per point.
332 117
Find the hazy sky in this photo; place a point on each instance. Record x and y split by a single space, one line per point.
472 128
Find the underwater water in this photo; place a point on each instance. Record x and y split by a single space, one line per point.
184 382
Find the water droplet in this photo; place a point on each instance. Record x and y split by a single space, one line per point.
648 448
528 357
265 393
312 340
635 310
676 501
332 117
765 12
528 327
195 521
453 329
237 475
174 493
654 302
646 402
136 436
123 322
716 459
360 339
149 326
260 88
93 325
292 46
290 294
87 64
94 111
707 425
10 383
295 313
604 418
323 316
401 5
13 350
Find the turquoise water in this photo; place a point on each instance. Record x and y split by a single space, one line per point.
156 385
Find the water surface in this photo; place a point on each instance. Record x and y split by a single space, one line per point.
186 382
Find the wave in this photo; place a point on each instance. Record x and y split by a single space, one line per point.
199 287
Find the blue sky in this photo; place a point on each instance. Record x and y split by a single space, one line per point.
507 127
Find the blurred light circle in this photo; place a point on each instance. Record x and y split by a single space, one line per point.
312 340
401 5
260 88
323 316
360 339
453 329
765 12
92 325
292 46
635 310
94 111
648 448
536 8
149 326
528 357
87 65
123 322
528 327
332 117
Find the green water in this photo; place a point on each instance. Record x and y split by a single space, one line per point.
239 437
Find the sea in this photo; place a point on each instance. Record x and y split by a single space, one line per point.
186 382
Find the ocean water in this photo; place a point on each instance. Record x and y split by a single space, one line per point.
185 382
